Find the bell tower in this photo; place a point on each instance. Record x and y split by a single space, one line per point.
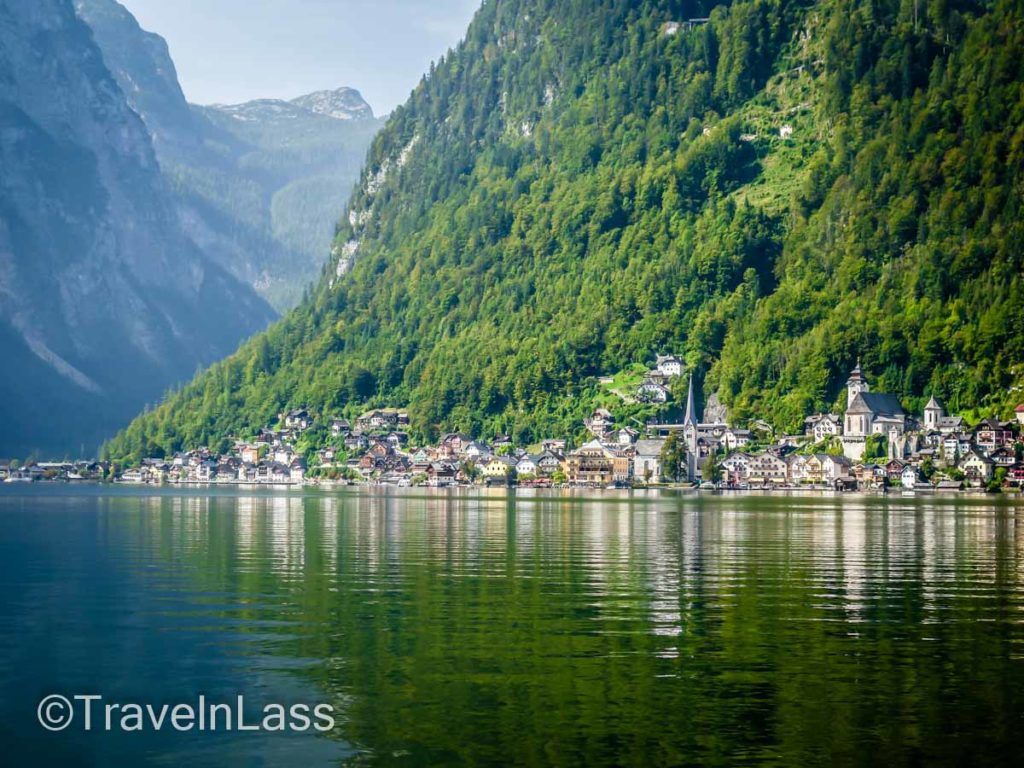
856 384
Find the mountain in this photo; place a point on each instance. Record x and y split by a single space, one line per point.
773 189
104 300
341 104
258 185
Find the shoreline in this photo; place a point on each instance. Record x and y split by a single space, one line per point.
673 489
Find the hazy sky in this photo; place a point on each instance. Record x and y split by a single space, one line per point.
235 50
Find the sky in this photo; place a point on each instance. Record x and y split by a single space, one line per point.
229 51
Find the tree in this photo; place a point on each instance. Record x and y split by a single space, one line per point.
673 455
712 469
876 447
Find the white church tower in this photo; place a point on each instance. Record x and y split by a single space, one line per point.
933 413
855 385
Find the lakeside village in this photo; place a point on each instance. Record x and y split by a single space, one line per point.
874 445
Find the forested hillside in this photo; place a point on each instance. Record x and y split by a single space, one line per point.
579 185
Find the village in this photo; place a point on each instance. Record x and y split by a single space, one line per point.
875 445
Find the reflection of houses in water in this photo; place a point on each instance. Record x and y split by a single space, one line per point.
287 533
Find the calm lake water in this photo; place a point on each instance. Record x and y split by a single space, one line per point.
520 629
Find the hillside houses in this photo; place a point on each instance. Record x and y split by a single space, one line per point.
875 443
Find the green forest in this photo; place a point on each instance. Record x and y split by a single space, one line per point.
772 193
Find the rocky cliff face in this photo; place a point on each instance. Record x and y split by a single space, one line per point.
104 300
258 186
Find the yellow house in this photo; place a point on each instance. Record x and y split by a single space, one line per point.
496 466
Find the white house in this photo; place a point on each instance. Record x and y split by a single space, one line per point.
527 465
651 391
822 426
669 365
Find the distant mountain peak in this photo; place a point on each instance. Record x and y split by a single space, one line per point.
341 103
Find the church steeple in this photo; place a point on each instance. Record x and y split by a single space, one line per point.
690 433
691 410
856 384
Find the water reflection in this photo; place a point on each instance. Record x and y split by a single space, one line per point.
489 628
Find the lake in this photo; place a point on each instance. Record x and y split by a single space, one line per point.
494 628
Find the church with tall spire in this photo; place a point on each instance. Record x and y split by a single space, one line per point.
690 433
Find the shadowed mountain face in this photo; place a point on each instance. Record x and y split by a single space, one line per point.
104 300
258 186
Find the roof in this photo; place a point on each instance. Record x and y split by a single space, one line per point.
1019 408
876 403
649 447
933 404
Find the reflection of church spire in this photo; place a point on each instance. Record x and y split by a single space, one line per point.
691 411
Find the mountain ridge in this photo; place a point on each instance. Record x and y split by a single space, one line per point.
104 302
576 188
253 194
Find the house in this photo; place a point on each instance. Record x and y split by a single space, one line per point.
600 421
936 420
622 464
378 419
767 469
590 464
340 427
977 467
797 468
441 474
651 391
356 441
283 454
1019 413
647 461
736 438
297 418
132 476
669 365
894 471
869 475
549 462
991 434
476 451
735 468
454 444
822 426
528 465
497 466
1003 457
909 478
834 468
625 435
249 453
297 470
555 446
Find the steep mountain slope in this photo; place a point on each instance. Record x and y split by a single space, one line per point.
258 185
774 191
104 302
